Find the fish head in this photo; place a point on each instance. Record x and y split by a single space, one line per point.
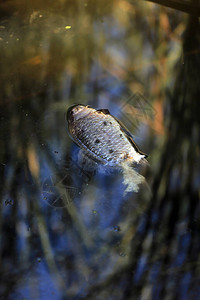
78 111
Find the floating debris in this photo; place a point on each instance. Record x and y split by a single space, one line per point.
117 228
122 254
9 202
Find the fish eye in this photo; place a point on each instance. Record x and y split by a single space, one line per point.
78 109
75 110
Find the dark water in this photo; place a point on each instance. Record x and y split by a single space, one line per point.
70 233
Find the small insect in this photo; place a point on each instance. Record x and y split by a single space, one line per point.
102 137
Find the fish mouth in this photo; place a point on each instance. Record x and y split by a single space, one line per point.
77 111
69 113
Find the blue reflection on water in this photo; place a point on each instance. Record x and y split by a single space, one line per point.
141 266
37 284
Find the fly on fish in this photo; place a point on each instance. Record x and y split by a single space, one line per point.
102 137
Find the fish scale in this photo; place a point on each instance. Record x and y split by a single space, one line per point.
107 137
101 136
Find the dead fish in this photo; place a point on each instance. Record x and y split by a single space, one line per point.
102 137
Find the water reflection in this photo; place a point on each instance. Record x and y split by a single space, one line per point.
68 233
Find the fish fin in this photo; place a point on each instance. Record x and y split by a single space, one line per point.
104 110
130 137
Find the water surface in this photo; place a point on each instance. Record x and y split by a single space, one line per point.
67 232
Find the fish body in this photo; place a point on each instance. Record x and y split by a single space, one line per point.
102 137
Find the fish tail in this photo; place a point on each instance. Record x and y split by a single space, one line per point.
131 179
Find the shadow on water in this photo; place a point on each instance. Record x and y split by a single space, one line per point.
70 233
